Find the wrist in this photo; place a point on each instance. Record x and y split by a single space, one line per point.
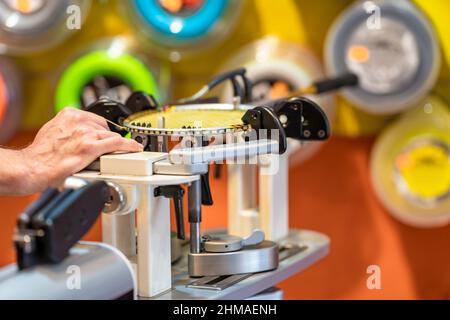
27 177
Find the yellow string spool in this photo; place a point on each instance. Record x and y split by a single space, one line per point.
437 12
410 166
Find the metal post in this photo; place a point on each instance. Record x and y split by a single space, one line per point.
195 215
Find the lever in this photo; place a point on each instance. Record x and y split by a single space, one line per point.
175 192
217 171
255 238
229 243
207 199
48 228
328 85
342 81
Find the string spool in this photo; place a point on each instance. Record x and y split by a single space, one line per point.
110 68
30 26
393 49
410 166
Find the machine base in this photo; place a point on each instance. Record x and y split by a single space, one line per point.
258 258
310 247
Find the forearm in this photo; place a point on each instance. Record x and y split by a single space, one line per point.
16 175
63 146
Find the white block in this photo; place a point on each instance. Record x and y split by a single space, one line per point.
132 164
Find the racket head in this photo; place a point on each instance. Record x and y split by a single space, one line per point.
189 120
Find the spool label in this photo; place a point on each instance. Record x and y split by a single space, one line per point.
25 6
270 89
181 8
386 59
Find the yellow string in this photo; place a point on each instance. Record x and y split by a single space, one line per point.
178 119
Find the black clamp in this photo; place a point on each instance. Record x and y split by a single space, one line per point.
176 193
302 119
264 118
50 226
140 101
115 112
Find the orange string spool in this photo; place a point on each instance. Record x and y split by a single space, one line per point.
3 98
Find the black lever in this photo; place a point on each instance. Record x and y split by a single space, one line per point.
332 84
207 199
217 171
264 118
48 228
175 192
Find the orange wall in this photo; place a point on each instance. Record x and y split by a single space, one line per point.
330 193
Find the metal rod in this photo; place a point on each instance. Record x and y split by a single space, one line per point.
162 141
195 215
195 243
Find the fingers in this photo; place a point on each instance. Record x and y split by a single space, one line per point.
103 134
114 143
99 139
96 119
79 116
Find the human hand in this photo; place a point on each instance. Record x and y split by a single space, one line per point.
67 144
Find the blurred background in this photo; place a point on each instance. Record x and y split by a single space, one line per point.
380 188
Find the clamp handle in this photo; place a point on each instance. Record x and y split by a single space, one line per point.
341 81
229 243
176 193
207 199
255 238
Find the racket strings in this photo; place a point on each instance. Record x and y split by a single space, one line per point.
187 119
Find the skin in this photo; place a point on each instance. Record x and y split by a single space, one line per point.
63 146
